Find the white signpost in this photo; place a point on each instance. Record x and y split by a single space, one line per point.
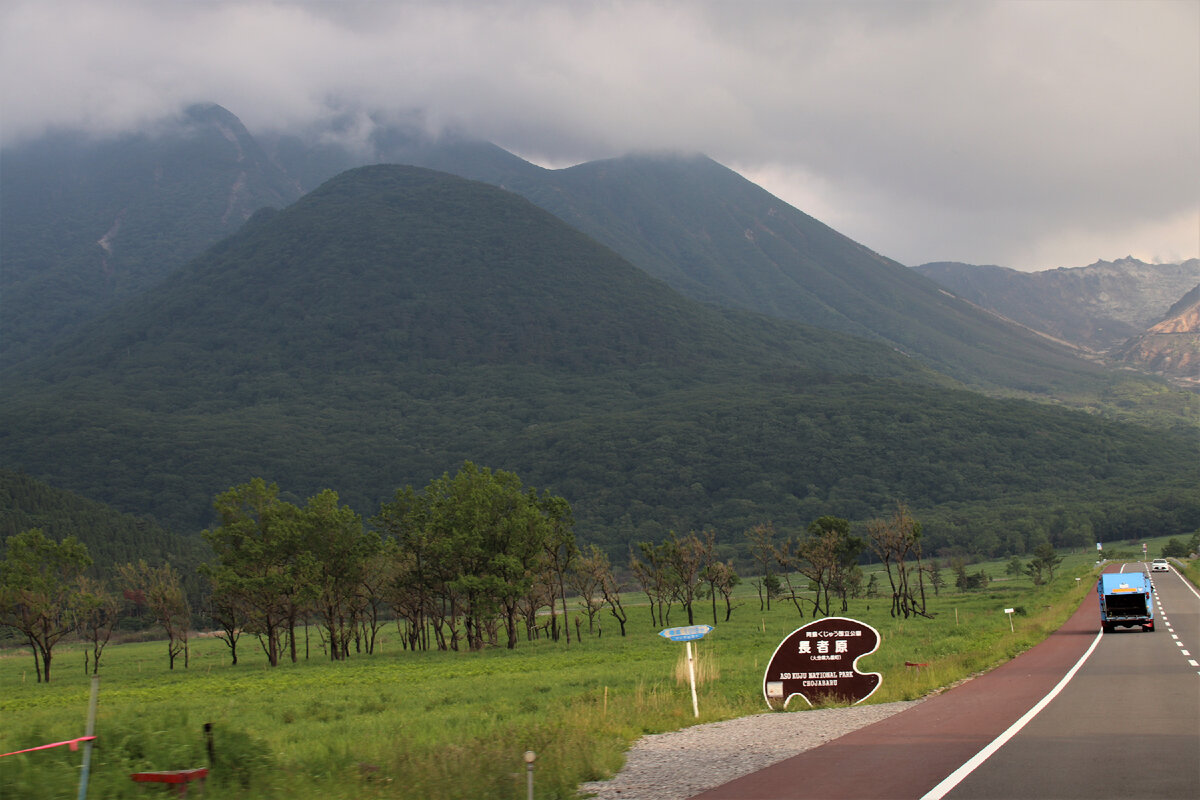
1010 611
686 635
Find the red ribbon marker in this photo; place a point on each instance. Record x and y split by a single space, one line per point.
72 743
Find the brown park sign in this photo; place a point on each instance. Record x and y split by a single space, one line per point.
819 662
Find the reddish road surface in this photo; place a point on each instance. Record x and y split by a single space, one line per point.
1127 725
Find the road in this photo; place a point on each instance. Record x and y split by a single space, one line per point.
1127 725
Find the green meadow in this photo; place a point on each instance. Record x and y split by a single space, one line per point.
402 724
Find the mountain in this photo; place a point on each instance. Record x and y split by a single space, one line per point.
397 321
86 223
150 202
1097 307
110 536
716 237
1171 347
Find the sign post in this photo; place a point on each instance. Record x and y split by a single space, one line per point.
1010 611
686 635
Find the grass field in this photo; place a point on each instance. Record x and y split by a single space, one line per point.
455 725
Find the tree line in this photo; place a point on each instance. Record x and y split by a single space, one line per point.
473 560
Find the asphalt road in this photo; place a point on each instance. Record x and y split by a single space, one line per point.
1127 725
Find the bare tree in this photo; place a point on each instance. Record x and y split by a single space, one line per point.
587 579
722 578
789 558
654 576
685 559
895 541
611 588
763 550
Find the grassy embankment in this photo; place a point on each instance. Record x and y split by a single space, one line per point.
455 725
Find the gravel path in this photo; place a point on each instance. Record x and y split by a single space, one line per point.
677 765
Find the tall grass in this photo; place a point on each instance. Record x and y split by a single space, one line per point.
435 725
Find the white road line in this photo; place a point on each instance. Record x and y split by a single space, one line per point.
972 764
1192 661
1186 583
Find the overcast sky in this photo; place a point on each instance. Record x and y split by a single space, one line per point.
1028 133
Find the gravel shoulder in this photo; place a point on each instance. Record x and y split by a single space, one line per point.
679 764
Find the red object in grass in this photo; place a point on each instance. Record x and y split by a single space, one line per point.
174 776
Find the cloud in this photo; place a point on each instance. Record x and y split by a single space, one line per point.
995 132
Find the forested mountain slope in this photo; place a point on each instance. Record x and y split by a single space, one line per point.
398 321
89 223
110 536
86 223
715 236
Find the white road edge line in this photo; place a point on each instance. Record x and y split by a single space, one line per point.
956 777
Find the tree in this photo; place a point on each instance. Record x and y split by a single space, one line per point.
655 577
39 591
762 549
338 549
257 563
1180 548
895 541
964 580
586 580
611 588
722 579
422 570
686 559
166 600
1041 567
1049 559
829 557
227 610
936 579
472 547
560 549
96 613
789 558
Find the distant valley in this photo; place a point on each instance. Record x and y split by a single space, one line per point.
1140 315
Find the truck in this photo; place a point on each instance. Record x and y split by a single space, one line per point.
1126 601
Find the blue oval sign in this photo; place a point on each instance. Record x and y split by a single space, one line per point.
685 634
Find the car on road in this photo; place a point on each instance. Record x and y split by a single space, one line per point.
1160 565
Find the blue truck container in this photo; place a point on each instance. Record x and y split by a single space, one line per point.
1126 601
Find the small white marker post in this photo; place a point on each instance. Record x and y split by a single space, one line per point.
1009 611
686 635
530 757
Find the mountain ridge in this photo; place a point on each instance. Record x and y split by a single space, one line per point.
687 220
1097 307
290 352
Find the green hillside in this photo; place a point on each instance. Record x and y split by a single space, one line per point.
398 321
717 237
110 536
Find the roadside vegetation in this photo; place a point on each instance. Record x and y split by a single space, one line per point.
441 724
